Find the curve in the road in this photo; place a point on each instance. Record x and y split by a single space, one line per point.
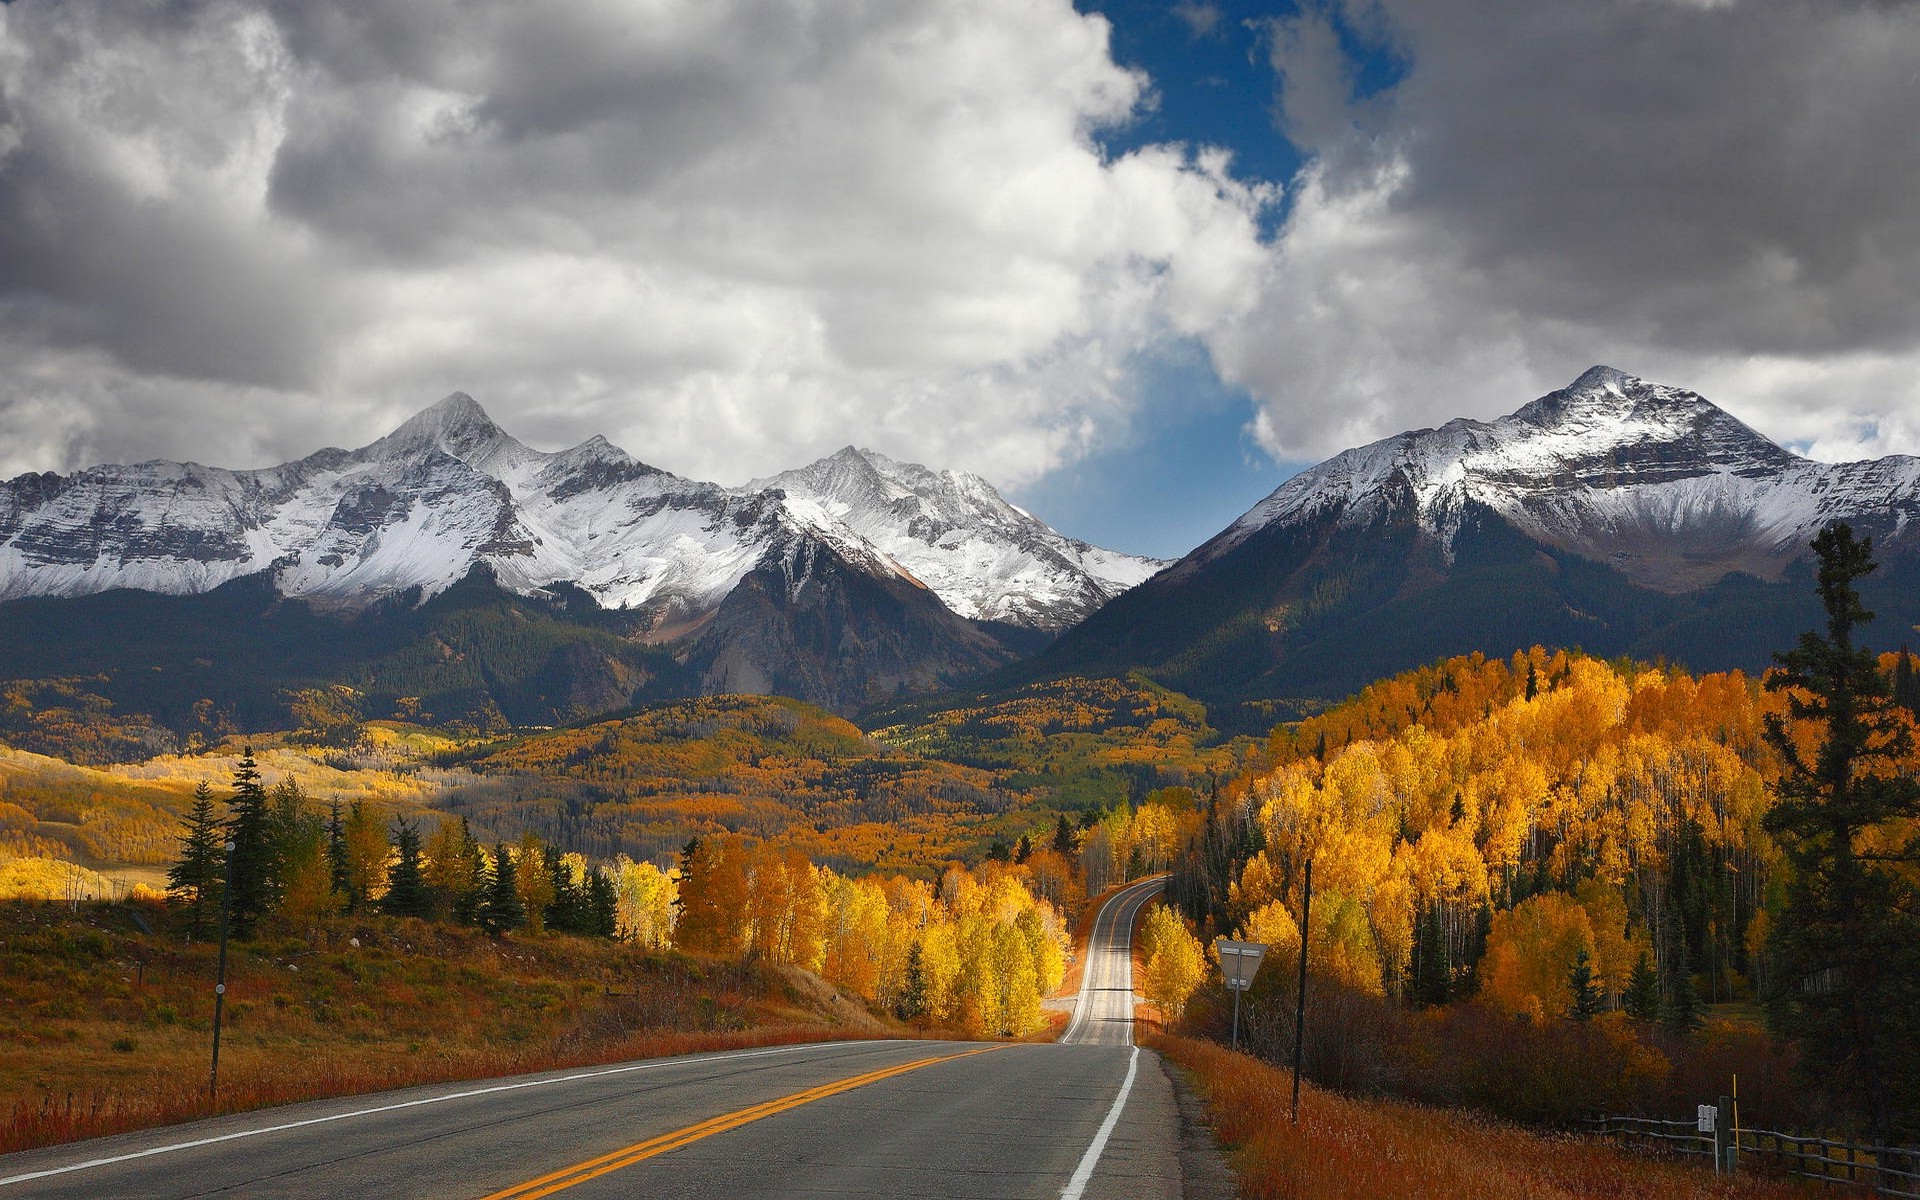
1103 1015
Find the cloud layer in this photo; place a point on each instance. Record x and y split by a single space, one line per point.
1714 195
727 233
732 234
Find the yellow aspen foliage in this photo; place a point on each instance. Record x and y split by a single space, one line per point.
1175 962
1274 927
644 898
306 889
366 851
785 908
1343 947
1530 952
531 880
713 898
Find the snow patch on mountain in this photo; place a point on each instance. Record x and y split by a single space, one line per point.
449 490
952 531
1653 479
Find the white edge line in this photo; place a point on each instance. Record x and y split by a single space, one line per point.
1083 1005
367 1112
1091 1159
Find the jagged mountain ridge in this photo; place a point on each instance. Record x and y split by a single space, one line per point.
1614 514
753 589
449 490
988 559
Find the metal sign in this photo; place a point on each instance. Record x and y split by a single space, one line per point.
1708 1114
1239 961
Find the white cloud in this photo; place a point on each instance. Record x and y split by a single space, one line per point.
727 233
1716 196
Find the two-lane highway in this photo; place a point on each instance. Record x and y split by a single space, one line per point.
1104 1014
841 1119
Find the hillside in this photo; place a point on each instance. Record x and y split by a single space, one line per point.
1615 515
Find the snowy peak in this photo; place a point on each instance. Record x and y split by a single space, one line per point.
449 491
953 532
456 426
1655 480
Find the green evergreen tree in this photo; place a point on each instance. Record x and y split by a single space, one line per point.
502 910
1063 836
1587 999
194 881
337 851
467 904
1906 683
567 911
1845 950
1683 1013
251 867
912 1003
1432 966
406 885
603 905
1642 1000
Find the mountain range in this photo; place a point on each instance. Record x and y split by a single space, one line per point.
1616 515
448 569
840 582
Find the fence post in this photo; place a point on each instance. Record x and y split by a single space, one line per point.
1726 1148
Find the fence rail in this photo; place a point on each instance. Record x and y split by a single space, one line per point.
1883 1170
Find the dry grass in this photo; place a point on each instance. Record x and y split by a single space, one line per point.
104 1029
1346 1149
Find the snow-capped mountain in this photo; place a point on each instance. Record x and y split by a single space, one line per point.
1654 480
852 578
987 559
1617 515
450 490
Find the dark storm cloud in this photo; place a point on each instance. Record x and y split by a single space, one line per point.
1720 195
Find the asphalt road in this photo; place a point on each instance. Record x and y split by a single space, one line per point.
1104 1015
894 1118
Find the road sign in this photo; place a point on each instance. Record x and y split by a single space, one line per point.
1239 961
1707 1113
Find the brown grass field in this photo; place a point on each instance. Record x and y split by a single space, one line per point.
105 1029
1346 1149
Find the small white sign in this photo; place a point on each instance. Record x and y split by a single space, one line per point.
1708 1115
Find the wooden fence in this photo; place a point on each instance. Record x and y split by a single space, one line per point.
1880 1170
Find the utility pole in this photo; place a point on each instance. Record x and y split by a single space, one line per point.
220 976
1300 1001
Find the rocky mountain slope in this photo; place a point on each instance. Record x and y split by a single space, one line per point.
1614 514
850 579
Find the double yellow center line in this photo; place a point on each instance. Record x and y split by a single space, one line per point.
593 1168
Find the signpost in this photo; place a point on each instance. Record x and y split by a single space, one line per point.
1238 962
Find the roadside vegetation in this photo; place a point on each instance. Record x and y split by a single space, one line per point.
106 1028
1344 1148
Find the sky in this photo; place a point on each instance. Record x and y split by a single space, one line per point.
1133 261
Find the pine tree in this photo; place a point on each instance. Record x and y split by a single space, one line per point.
503 910
406 885
337 850
193 882
1846 947
603 905
251 866
912 1003
1432 970
1063 837
1587 999
567 911
1683 1012
1906 683
1642 1000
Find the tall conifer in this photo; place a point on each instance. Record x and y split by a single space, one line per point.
193 882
